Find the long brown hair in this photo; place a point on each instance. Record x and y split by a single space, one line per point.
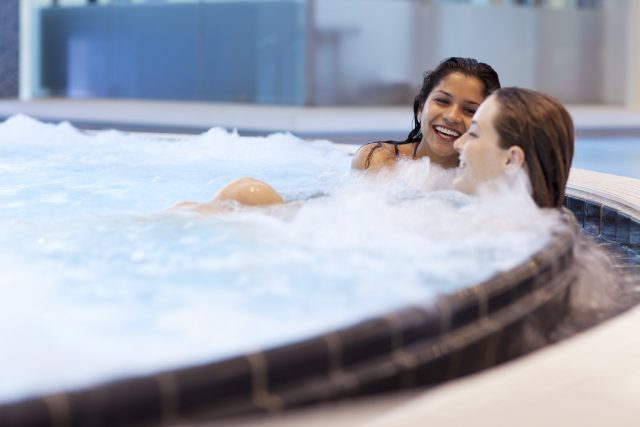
543 128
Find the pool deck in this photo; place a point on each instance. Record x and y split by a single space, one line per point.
591 379
354 125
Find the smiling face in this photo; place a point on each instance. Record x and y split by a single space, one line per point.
482 159
447 114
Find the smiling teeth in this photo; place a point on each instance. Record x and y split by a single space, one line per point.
447 131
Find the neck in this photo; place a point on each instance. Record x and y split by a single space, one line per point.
447 162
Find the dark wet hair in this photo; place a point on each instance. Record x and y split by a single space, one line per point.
467 66
543 128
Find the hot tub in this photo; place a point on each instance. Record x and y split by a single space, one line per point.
130 312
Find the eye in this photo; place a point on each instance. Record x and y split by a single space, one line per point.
441 101
470 111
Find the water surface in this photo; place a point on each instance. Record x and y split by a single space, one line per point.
100 280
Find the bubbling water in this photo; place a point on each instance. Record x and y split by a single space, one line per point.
101 280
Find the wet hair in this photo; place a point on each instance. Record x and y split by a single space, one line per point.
467 66
543 128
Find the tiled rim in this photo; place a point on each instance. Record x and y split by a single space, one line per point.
601 216
461 333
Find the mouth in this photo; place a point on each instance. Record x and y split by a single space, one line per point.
462 164
446 133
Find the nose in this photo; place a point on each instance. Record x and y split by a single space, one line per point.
453 114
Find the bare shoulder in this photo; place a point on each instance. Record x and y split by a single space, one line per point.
373 156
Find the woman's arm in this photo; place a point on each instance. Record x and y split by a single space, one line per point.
373 156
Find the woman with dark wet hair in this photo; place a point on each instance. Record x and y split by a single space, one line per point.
442 111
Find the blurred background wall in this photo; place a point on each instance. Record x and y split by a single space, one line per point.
320 52
9 48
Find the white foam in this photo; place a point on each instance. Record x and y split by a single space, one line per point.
100 281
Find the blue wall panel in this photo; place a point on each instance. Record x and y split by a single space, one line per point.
229 51
218 51
75 46
154 50
280 53
9 48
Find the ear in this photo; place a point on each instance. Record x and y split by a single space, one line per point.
516 156
515 159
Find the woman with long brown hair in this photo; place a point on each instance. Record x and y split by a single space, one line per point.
518 129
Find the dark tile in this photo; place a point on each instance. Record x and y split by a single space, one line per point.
215 382
592 218
368 339
216 414
500 300
126 402
474 356
32 412
312 392
634 234
378 377
623 229
435 365
291 362
609 223
577 206
524 287
464 311
419 324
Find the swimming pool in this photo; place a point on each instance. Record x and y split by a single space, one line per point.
613 155
96 268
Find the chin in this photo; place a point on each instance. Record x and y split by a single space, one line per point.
443 149
456 184
459 184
